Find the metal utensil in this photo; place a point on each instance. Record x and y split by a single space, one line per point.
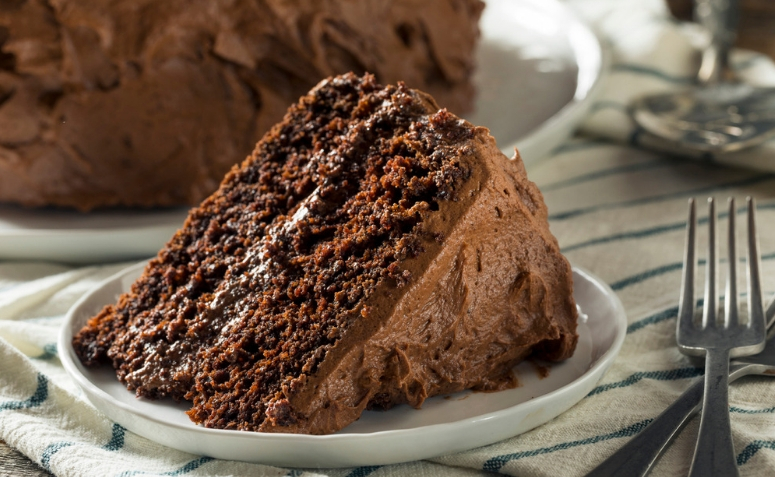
714 453
638 456
717 115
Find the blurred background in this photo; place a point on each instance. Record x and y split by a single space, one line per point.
757 23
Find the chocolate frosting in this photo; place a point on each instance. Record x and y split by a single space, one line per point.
493 291
294 313
147 103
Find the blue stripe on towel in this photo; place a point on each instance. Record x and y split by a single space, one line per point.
363 471
654 272
653 319
660 229
751 450
738 410
49 352
37 398
116 441
628 235
664 269
603 173
666 375
496 463
758 178
660 317
49 452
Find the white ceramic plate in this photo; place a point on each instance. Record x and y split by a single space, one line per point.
74 237
445 424
539 69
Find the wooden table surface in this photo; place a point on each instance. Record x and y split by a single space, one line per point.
15 464
757 32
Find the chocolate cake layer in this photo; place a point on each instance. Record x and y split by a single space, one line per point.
374 250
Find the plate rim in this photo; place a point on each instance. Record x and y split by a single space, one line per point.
571 114
181 212
587 379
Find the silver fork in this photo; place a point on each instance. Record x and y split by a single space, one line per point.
638 456
714 453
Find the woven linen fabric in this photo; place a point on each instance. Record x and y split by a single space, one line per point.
617 211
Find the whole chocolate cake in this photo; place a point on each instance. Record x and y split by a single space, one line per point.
149 103
374 250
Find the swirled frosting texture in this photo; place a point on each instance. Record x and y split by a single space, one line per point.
147 103
494 291
374 250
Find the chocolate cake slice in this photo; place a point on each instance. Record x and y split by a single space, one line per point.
147 103
373 250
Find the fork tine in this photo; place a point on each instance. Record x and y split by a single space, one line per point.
730 302
686 302
711 300
714 452
755 304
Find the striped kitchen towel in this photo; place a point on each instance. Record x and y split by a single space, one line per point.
617 211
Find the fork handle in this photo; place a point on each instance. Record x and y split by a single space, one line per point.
638 456
715 454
